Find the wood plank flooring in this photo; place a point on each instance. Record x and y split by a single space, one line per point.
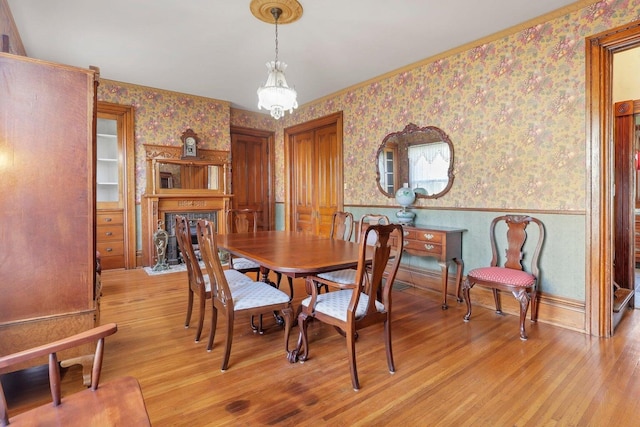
448 373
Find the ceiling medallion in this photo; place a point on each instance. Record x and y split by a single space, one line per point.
291 10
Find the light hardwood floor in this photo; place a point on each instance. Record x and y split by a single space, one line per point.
448 372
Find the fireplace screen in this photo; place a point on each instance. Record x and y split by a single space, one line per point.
173 253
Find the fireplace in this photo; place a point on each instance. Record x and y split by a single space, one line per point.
173 252
200 189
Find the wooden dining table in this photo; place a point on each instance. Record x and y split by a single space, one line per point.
294 254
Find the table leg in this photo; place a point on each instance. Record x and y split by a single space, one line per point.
444 270
460 267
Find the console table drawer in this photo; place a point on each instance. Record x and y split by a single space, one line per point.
423 235
422 248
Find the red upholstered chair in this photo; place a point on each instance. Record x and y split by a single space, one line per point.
511 276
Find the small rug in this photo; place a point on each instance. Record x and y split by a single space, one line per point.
178 268
173 269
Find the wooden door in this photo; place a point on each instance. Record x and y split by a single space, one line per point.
302 171
252 173
624 200
315 174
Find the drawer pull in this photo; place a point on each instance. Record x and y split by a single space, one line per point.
405 233
109 250
429 247
107 220
406 243
108 233
428 236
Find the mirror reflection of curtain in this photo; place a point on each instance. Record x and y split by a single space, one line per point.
429 166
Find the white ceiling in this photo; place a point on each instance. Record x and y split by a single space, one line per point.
217 48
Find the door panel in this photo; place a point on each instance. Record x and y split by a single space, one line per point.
315 176
302 163
251 173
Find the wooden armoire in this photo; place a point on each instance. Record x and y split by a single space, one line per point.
47 206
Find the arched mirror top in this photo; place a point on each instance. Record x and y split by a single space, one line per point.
421 157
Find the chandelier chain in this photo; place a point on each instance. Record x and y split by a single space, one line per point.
276 14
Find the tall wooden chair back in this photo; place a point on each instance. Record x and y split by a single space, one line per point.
511 276
370 219
243 221
342 226
116 402
198 283
365 302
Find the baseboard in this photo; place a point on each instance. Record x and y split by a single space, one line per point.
563 312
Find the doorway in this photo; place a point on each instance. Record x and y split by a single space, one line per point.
600 219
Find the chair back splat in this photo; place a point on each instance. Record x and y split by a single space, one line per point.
342 226
361 303
512 276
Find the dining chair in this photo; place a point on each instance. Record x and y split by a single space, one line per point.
242 221
511 276
348 275
116 402
252 298
245 221
199 284
364 302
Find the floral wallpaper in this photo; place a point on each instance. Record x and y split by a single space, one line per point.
514 109
162 116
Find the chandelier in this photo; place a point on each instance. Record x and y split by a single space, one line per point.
276 96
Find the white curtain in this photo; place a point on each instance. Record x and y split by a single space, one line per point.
429 165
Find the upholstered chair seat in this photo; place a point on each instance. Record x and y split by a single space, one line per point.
336 304
505 276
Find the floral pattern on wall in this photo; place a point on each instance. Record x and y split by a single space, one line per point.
162 116
514 109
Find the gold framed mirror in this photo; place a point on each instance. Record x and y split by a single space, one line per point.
421 157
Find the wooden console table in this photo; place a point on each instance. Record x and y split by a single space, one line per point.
442 243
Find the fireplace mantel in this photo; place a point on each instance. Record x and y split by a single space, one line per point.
177 184
155 206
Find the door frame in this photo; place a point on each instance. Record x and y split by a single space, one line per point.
127 114
599 219
336 119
